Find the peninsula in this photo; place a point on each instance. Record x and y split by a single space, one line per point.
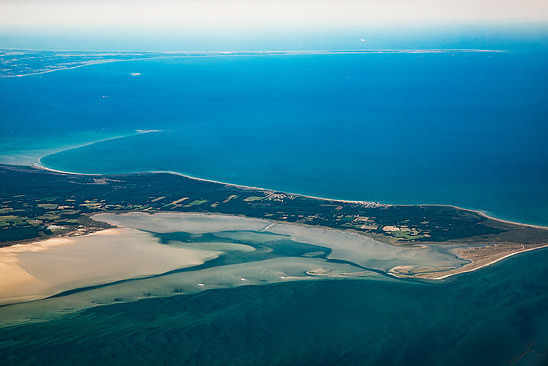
37 204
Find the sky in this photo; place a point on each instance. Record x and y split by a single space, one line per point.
265 13
220 21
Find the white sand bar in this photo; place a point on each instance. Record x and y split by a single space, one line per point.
44 268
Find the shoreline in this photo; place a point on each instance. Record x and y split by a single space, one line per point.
40 165
379 204
418 276
272 223
470 268
107 256
490 263
67 240
200 54
475 264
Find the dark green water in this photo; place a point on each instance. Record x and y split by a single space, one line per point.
483 318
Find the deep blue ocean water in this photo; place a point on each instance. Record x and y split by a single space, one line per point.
467 129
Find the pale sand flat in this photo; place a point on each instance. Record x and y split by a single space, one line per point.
44 268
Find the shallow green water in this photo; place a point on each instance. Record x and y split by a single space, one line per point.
482 318
487 317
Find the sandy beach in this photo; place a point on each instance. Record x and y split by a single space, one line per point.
474 266
44 268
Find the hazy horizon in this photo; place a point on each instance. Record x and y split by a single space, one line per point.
501 37
230 25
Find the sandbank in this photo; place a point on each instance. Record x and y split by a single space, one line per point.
44 268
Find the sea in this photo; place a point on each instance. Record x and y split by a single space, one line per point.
461 128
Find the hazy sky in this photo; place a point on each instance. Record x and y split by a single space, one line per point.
264 24
265 13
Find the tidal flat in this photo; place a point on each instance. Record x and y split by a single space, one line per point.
45 268
166 254
486 317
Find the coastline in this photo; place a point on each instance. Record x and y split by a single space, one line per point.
202 54
482 213
477 255
241 186
469 267
472 266
475 262
490 263
379 204
38 164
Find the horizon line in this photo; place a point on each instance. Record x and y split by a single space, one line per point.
275 51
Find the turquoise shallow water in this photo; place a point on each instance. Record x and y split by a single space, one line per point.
466 129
